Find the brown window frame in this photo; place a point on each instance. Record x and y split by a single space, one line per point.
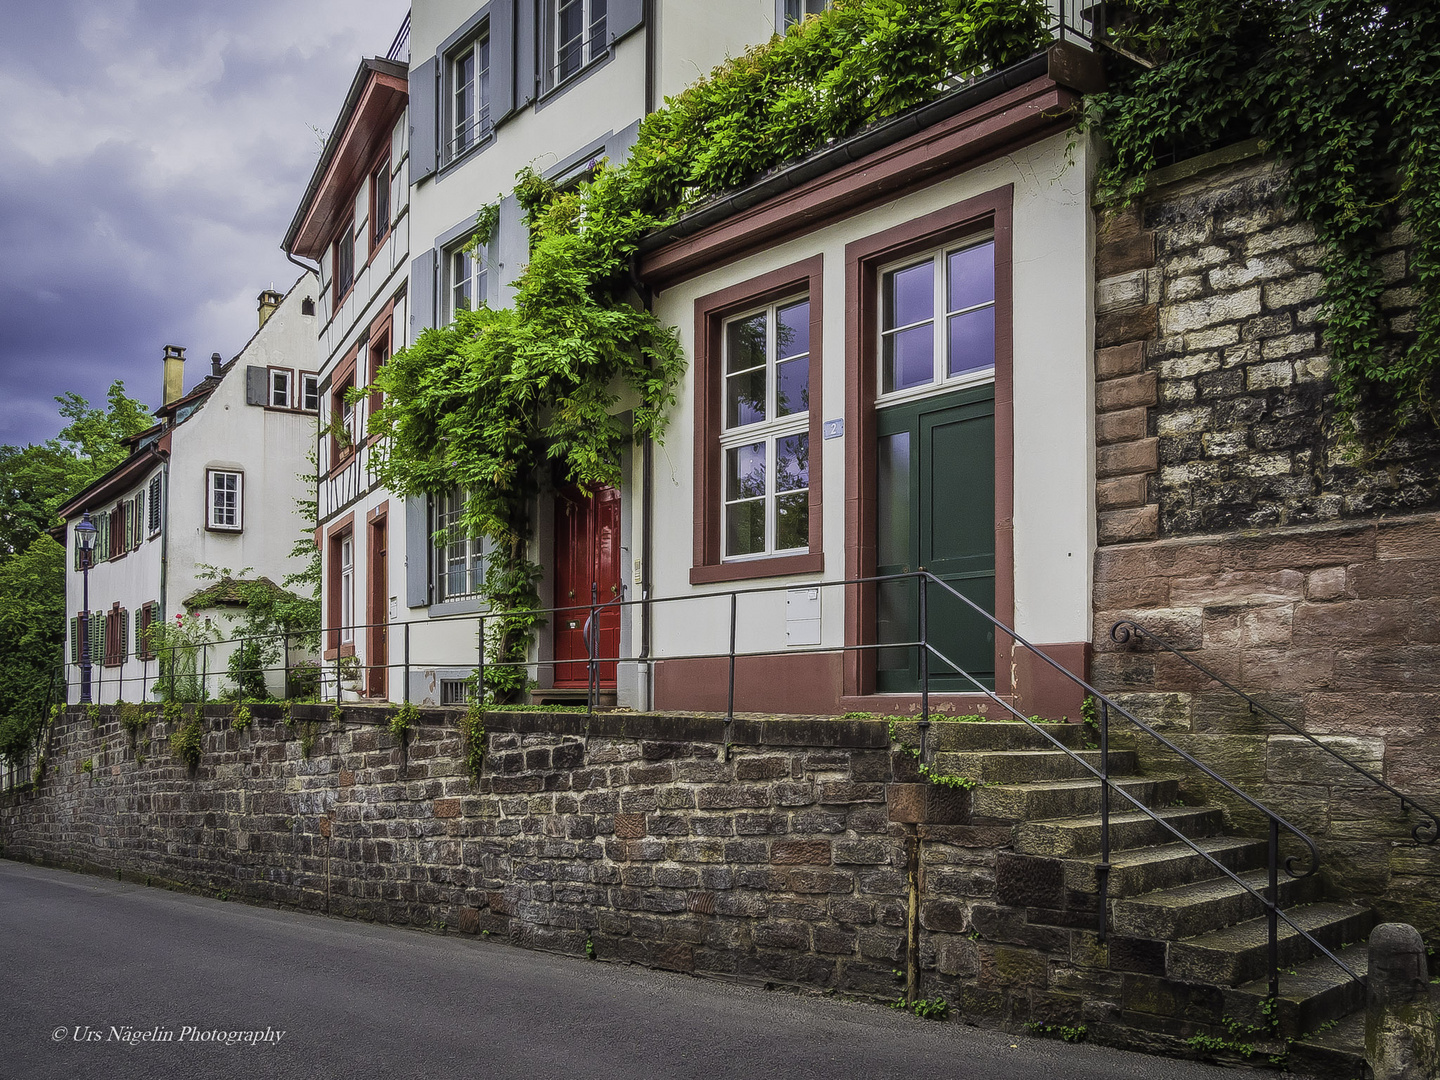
379 235
711 311
335 537
346 233
341 380
210 525
989 212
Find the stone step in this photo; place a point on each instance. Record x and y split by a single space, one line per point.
1195 909
1312 994
1239 954
1338 1053
1080 836
1026 766
1050 800
1165 866
946 735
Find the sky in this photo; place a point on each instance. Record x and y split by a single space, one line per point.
152 154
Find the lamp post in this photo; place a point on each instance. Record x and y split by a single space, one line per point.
85 533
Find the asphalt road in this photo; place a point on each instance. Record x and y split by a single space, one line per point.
83 958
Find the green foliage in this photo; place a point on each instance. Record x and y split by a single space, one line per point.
88 766
35 480
269 619
1067 1032
1347 92
472 728
955 783
401 721
925 1008
132 719
482 404
185 741
308 730
178 645
32 628
240 719
589 947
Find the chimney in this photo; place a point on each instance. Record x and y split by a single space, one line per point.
269 301
174 373
215 364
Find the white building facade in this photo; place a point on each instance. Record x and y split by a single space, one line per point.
973 458
216 485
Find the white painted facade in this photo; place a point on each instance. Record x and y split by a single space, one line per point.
559 130
216 427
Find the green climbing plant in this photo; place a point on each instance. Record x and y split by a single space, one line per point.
1347 92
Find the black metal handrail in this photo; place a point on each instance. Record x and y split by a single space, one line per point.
1126 629
1269 899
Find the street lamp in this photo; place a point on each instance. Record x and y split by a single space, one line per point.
85 533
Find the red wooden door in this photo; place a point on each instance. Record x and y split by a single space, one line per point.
587 562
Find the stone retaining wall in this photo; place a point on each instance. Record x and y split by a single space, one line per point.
1232 522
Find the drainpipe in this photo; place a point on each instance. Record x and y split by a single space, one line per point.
649 14
164 538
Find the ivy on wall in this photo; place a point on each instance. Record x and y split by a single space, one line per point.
1347 92
483 403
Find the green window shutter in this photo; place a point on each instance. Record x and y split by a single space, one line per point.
124 625
75 639
97 638
102 538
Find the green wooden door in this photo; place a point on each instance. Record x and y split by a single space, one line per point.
936 511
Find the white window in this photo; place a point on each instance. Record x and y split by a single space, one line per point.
310 392
937 324
466 280
347 589
468 100
227 490
765 439
279 388
575 35
459 562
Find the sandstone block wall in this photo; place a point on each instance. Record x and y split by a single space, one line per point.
1233 522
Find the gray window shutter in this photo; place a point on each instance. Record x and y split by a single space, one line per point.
423 132
422 294
502 60
512 249
417 551
524 27
624 16
256 380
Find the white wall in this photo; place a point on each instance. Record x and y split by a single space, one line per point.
1054 484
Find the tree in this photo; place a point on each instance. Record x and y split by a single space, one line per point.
35 480
32 633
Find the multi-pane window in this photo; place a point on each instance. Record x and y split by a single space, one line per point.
154 522
576 33
145 619
469 99
938 318
279 388
226 491
347 589
380 203
467 281
796 10
765 441
459 562
310 392
344 262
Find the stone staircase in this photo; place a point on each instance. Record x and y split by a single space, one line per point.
1195 940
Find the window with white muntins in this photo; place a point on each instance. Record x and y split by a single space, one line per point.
937 321
226 499
765 440
575 35
468 100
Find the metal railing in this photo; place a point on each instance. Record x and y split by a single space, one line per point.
1424 832
344 669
